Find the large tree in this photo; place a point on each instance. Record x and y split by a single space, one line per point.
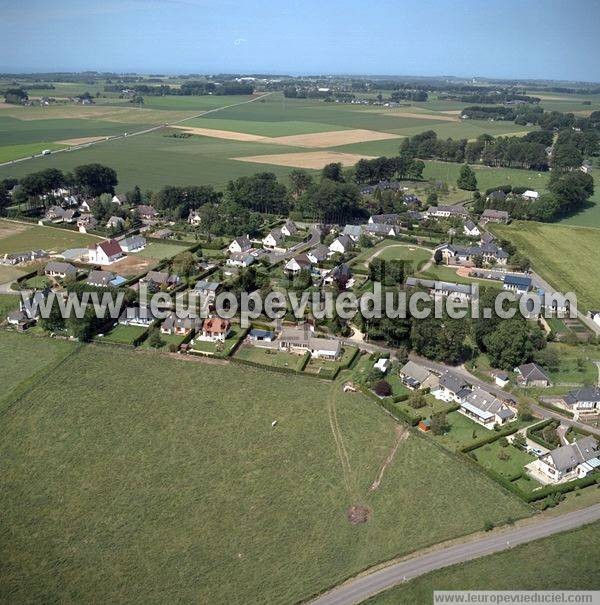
95 179
467 179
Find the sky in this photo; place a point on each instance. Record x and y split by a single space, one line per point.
546 39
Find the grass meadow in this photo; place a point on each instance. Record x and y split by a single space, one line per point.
130 477
567 257
20 237
539 565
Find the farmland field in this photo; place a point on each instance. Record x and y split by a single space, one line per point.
20 237
130 493
540 565
554 256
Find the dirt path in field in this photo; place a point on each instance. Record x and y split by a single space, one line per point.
402 434
342 452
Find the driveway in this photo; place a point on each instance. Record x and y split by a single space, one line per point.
369 584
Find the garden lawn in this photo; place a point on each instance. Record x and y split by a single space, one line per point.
158 251
21 237
8 303
393 250
138 478
557 253
122 334
487 456
462 431
269 357
539 565
570 371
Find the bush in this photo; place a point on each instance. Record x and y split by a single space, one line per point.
488 526
383 388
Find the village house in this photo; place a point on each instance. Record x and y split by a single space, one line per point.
301 339
273 240
163 233
490 215
467 255
595 317
383 364
381 229
520 284
568 462
135 243
240 244
257 336
86 205
69 215
470 229
353 232
458 292
500 378
297 263
586 168
341 244
318 254
497 196
145 212
451 387
447 212
115 222
137 316
485 409
585 399
85 222
157 280
27 314
55 214
215 329
240 259
532 375
194 218
119 199
207 289
181 326
105 252
16 258
530 195
384 219
341 275
289 229
100 279
415 376
62 270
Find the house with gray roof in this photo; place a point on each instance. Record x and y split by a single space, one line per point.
451 387
415 376
381 229
532 375
353 232
585 399
485 409
318 254
573 461
133 243
57 269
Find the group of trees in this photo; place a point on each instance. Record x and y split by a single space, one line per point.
513 152
491 96
508 343
519 114
15 96
190 88
383 168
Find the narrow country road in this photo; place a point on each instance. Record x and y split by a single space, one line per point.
315 238
136 133
360 588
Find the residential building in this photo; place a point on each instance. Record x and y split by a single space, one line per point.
119 199
163 233
27 313
297 263
62 270
451 387
134 243
289 229
240 244
137 316
318 254
146 212
447 212
273 240
16 258
55 214
240 259
353 232
115 222
459 292
530 195
302 339
485 409
341 244
160 279
585 399
100 279
415 376
520 284
470 229
490 215
384 219
568 462
105 252
194 218
467 255
86 222
180 326
258 336
532 375
341 274
215 329
500 378
381 229
207 289
496 196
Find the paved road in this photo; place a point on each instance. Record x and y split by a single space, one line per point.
315 238
136 133
545 413
360 588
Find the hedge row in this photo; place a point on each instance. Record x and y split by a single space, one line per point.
509 430
532 430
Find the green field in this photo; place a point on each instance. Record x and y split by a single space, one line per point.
487 456
21 237
540 565
163 480
13 152
567 257
158 251
24 355
8 303
124 335
9 274
393 250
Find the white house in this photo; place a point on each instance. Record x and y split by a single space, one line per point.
301 339
105 252
585 399
133 243
274 239
297 263
115 222
341 244
240 259
194 218
484 408
215 329
240 244
530 195
470 229
119 199
62 270
289 229
318 254
353 232
573 461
